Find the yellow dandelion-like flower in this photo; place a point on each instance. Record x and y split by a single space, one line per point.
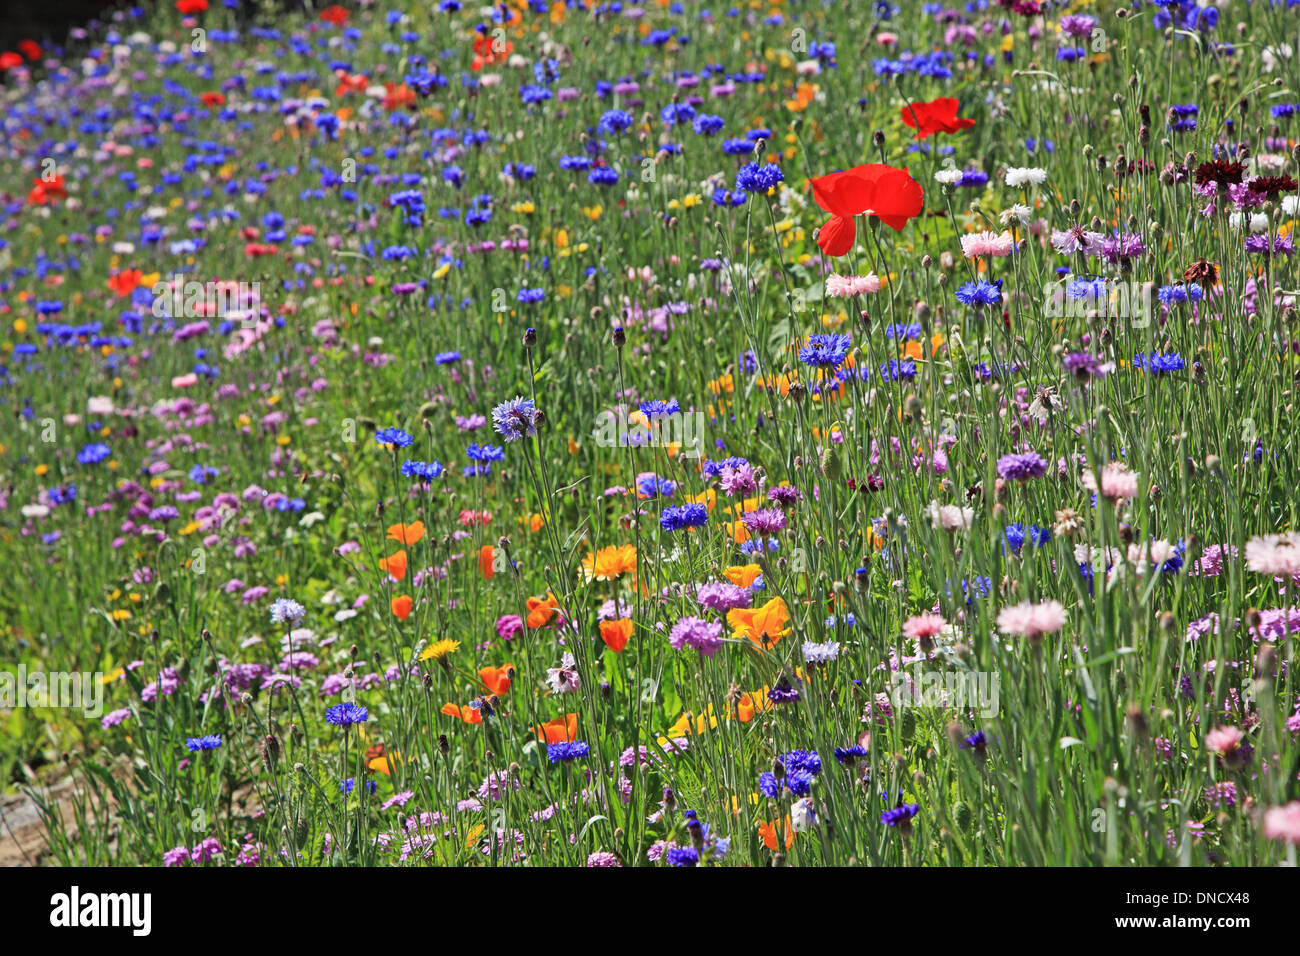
439 650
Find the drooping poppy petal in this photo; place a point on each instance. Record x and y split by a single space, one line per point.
402 605
486 561
836 237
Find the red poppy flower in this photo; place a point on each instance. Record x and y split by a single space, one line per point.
30 49
937 116
189 7
124 283
334 14
889 194
213 99
398 96
9 60
44 191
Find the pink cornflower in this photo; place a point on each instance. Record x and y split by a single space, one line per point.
843 287
1275 554
1223 741
1031 620
1117 482
987 243
1283 823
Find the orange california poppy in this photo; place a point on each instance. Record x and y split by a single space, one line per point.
608 564
770 831
540 611
402 605
750 704
408 534
763 625
467 714
486 561
615 634
497 679
742 575
395 564
560 730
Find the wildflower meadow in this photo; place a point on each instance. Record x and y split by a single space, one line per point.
605 433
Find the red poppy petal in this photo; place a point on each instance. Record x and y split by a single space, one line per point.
843 194
898 198
836 238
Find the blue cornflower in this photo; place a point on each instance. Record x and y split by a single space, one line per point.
93 454
345 786
513 419
900 816
485 453
425 471
210 742
906 332
846 755
805 761
980 293
896 371
659 408
682 856
707 125
826 351
684 516
1159 363
652 486
346 714
615 121
975 741
395 437
567 750
758 177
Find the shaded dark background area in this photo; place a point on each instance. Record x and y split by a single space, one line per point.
48 21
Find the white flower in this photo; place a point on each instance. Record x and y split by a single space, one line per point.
950 517
1291 205
803 815
1018 176
815 653
1018 213
948 177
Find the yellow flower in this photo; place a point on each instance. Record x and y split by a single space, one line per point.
608 564
439 650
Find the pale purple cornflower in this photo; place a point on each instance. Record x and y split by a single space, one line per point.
722 596
1021 466
765 521
287 611
698 633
